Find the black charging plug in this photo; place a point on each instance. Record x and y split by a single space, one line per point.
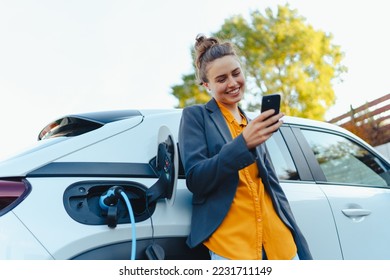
108 203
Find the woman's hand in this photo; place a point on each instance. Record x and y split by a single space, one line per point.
261 128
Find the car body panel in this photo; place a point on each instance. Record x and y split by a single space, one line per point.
65 238
17 242
314 216
364 231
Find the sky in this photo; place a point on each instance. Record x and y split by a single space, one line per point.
60 57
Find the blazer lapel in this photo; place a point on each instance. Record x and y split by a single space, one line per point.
219 120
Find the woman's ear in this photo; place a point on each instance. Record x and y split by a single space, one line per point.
206 85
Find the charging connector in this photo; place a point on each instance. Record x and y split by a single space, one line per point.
108 202
110 198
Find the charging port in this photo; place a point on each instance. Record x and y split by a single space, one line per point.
81 201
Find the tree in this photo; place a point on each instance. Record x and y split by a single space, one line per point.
280 54
190 92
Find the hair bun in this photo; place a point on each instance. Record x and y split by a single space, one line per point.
203 42
200 37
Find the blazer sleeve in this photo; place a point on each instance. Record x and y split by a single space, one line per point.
209 162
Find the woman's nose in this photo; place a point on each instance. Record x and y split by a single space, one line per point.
232 82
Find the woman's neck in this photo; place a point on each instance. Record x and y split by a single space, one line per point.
233 109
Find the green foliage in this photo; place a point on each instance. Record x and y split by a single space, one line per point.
190 92
281 54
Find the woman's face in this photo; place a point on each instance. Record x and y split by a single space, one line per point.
226 80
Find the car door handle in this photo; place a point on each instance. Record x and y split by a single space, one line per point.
353 213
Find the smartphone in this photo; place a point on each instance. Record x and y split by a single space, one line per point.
271 101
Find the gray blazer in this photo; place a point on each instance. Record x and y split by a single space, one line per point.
211 160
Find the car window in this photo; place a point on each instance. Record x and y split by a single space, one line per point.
344 161
281 158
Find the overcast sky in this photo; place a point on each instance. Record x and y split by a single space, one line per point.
67 56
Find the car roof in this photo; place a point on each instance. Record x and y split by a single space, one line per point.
304 122
110 116
104 117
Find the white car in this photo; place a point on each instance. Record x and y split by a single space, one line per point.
110 185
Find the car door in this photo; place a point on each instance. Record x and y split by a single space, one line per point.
356 182
308 202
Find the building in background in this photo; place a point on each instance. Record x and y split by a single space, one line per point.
370 122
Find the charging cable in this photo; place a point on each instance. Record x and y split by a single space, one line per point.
110 199
132 221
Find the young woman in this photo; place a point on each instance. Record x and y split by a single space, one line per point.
239 209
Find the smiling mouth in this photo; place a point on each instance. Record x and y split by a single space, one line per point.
234 91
